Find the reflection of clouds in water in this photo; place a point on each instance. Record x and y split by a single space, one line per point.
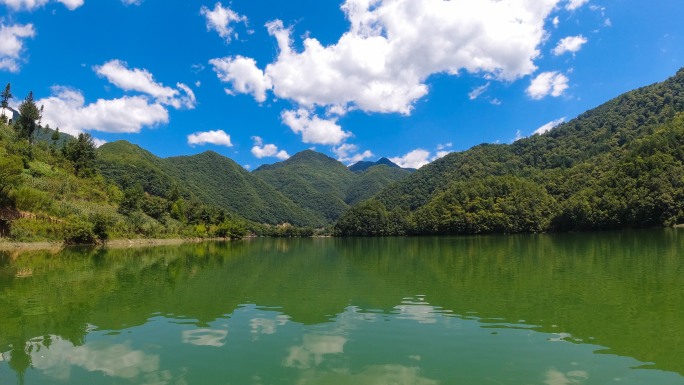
313 349
112 360
373 375
205 337
418 309
554 377
267 325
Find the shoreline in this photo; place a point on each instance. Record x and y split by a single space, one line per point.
113 244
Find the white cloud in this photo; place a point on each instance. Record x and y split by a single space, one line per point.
67 110
476 92
518 135
33 4
220 20
392 46
218 137
556 21
548 126
574 4
244 75
261 150
547 83
444 146
440 154
141 80
12 44
349 153
132 2
414 159
569 44
99 142
314 129
420 157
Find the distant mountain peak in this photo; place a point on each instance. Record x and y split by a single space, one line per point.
365 165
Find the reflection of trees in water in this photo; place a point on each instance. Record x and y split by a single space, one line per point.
605 286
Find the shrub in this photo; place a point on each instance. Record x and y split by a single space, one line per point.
79 232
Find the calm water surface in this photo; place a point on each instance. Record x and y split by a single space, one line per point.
604 308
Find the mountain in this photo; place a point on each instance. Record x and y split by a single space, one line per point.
220 181
210 177
312 180
126 164
618 165
365 165
324 185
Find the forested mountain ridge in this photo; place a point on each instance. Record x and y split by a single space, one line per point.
220 181
365 165
324 185
208 177
573 177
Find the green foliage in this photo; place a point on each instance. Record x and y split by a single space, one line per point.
620 165
325 186
132 199
494 205
6 97
79 232
27 123
11 168
230 230
81 153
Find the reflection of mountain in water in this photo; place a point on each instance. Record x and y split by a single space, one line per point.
619 290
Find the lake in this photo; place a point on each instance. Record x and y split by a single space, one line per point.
563 309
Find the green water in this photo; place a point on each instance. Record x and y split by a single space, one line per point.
602 308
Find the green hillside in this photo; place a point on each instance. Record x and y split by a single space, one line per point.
618 165
218 180
324 185
128 164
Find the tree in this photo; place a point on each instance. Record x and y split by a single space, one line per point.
11 168
6 96
132 200
81 153
29 115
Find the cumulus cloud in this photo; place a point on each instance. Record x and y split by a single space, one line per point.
261 150
12 44
414 159
33 4
575 4
420 157
392 46
220 19
350 154
243 75
548 126
547 83
569 44
66 109
218 137
314 129
141 80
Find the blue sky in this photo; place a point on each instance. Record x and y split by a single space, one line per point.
259 80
